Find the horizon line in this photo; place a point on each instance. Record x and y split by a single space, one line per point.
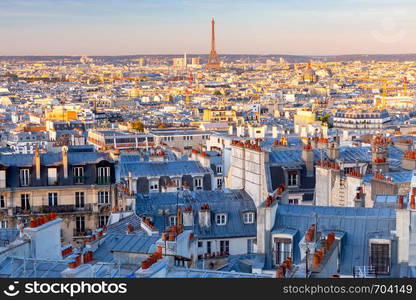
206 54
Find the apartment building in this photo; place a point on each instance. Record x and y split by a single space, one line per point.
181 139
78 186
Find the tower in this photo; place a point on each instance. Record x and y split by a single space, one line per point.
213 61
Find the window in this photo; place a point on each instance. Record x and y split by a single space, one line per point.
79 199
103 197
104 175
283 249
25 201
198 183
294 201
219 169
209 247
102 220
250 248
199 244
2 202
53 199
154 185
177 182
78 175
221 219
24 177
52 176
225 247
2 179
80 224
172 220
248 217
292 178
380 258
3 224
219 183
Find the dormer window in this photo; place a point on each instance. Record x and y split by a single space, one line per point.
24 177
248 218
198 183
177 182
52 176
292 178
103 175
78 175
172 220
380 256
221 219
154 185
219 169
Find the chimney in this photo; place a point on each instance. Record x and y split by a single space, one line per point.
359 200
37 163
179 217
65 160
379 154
188 216
307 157
45 237
400 202
130 182
412 202
204 217
333 151
275 132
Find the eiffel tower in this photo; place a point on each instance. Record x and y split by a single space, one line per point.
213 61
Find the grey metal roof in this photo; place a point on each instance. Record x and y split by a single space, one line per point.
231 202
389 200
137 243
346 154
121 226
8 235
30 268
403 176
358 223
165 168
51 158
177 272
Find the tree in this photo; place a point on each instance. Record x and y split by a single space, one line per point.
325 119
138 125
162 125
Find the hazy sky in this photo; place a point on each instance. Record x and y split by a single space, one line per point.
104 27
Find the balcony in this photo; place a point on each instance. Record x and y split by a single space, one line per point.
104 180
81 232
60 209
79 179
22 211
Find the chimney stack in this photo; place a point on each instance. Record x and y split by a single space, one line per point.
307 157
204 217
37 163
65 160
188 216
130 182
179 217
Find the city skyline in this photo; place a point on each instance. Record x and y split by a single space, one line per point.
73 27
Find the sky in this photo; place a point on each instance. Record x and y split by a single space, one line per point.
129 27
